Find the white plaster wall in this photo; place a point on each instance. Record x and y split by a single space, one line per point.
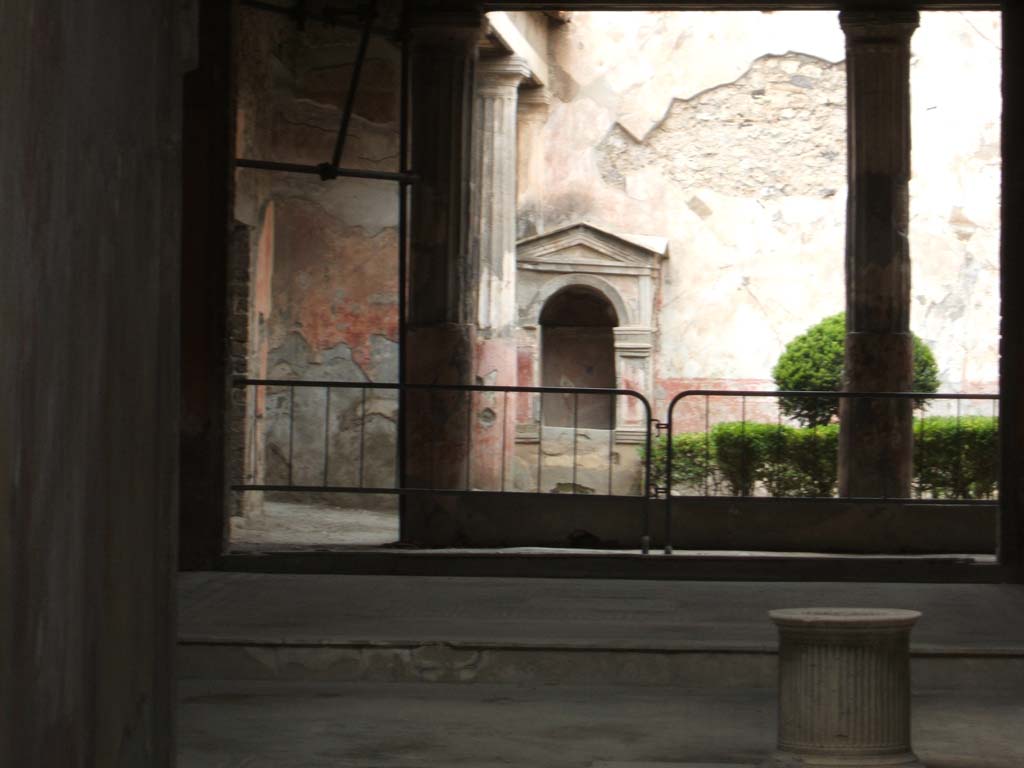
754 259
954 194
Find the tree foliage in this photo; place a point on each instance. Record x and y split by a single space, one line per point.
813 361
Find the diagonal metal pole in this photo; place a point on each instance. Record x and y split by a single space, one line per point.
350 97
403 248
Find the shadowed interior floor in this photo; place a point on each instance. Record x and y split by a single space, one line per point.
286 671
226 724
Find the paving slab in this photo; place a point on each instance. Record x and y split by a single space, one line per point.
286 525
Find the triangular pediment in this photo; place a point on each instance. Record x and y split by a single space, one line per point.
584 245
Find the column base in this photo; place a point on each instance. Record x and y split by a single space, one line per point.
493 423
844 688
437 421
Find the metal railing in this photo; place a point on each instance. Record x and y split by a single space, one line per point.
785 445
742 450
344 437
351 437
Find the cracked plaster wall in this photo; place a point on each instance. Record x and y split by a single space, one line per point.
954 195
779 130
330 281
335 266
726 134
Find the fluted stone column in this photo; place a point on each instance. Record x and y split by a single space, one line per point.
534 106
876 436
441 313
493 257
494 190
844 688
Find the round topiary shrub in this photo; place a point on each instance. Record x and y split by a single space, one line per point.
813 361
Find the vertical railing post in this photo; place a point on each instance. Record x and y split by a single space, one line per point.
959 479
668 476
611 446
504 438
745 472
540 440
919 456
291 431
327 429
362 439
650 487
575 436
707 445
403 247
469 440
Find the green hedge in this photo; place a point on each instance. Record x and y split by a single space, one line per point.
736 457
952 459
956 458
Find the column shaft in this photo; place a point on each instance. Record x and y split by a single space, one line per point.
493 259
440 338
494 191
876 436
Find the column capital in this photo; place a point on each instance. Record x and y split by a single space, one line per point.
879 26
507 71
534 101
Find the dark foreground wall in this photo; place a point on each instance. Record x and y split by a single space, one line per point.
89 245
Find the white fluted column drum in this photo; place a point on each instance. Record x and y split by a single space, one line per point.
844 687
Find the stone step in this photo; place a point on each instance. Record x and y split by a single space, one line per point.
464 662
546 631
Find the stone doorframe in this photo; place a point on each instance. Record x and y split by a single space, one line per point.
624 269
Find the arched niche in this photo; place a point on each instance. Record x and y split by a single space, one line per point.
580 282
578 350
624 270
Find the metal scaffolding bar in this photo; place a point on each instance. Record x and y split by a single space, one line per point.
299 12
350 97
326 171
403 247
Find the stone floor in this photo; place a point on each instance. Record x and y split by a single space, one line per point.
290 671
626 614
241 724
286 525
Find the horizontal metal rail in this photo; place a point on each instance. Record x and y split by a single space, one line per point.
326 171
447 436
241 381
824 394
